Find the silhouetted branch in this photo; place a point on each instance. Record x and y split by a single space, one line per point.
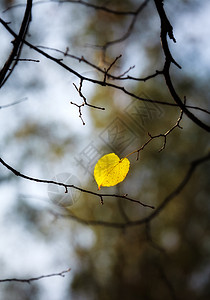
84 98
109 68
121 77
66 186
168 132
29 280
108 75
79 90
153 215
167 30
152 137
98 82
12 61
27 59
80 110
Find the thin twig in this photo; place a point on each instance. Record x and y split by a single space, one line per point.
80 110
169 131
120 77
110 76
27 59
163 135
84 98
29 280
111 65
79 90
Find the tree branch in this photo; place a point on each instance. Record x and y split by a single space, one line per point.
17 46
29 280
151 216
163 135
121 76
167 29
66 186
98 82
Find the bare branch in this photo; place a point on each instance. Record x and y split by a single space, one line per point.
152 137
169 131
29 280
27 59
84 98
167 29
80 110
12 61
154 214
120 77
108 75
111 65
98 82
124 73
99 195
79 90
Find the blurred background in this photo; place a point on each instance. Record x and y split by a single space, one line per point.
43 136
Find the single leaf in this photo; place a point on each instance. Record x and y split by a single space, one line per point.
110 170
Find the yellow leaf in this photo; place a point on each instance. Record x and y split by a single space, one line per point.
110 170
